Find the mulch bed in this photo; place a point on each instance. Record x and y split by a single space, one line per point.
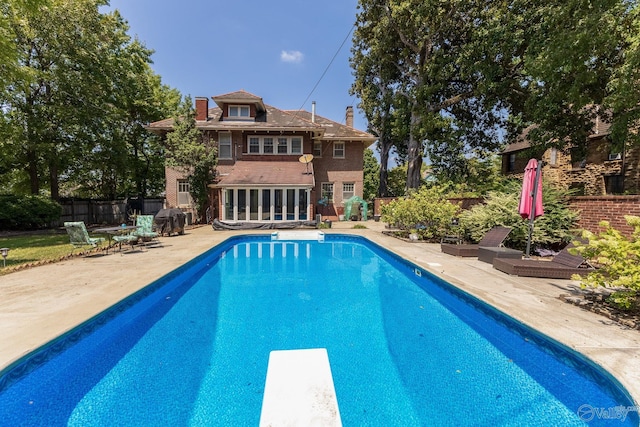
595 300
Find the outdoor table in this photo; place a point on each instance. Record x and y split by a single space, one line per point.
487 254
116 230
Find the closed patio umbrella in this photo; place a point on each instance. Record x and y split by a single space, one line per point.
531 197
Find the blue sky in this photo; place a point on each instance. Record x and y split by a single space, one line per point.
276 49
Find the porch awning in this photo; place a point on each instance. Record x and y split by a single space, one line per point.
266 174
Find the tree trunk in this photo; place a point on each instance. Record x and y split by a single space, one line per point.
383 186
32 169
54 182
414 156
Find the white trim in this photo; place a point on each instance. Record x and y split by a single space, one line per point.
275 146
344 148
220 135
284 213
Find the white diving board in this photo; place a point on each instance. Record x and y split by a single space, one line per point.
299 390
298 235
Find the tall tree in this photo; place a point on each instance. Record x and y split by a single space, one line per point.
74 109
448 71
193 153
371 172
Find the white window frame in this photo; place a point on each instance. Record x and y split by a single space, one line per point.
338 150
327 188
276 145
293 148
317 149
254 144
290 207
223 141
239 110
183 193
352 191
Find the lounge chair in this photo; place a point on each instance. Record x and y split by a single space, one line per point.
493 239
145 231
79 237
562 266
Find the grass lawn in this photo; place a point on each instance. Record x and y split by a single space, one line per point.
31 248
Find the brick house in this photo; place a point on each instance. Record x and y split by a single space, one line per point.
601 169
273 165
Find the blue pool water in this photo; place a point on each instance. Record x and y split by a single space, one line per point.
405 348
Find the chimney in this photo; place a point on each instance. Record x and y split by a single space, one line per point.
348 120
202 108
313 111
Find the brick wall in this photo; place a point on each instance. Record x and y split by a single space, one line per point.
594 209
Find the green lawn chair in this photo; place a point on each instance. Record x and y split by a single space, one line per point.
130 239
145 231
79 237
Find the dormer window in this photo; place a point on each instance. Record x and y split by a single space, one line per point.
239 112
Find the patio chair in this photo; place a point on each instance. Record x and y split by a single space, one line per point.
79 237
130 239
493 239
145 233
562 266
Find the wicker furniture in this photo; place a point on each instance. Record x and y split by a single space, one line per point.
488 254
562 266
493 238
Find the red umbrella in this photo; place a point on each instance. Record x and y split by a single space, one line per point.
531 197
531 192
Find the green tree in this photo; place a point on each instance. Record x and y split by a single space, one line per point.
371 172
450 67
192 153
73 110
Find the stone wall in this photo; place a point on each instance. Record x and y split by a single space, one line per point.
590 176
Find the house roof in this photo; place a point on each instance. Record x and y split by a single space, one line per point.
273 173
239 97
271 119
600 129
334 130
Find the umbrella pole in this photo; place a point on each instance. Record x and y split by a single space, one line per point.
532 215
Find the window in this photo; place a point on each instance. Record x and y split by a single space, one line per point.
239 111
257 144
327 191
282 145
512 162
184 197
296 145
553 157
338 150
614 184
317 149
348 190
224 149
254 145
268 145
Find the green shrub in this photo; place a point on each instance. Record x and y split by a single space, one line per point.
618 261
425 212
555 227
27 212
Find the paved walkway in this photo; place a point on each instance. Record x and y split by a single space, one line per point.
38 304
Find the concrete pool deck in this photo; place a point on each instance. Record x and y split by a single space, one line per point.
39 304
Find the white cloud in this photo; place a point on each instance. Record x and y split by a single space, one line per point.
291 56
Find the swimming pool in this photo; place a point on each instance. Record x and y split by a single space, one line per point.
405 348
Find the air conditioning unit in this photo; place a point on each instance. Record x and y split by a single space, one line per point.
615 156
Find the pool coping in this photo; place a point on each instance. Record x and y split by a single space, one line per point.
42 303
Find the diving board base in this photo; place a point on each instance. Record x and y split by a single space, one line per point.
299 390
298 235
